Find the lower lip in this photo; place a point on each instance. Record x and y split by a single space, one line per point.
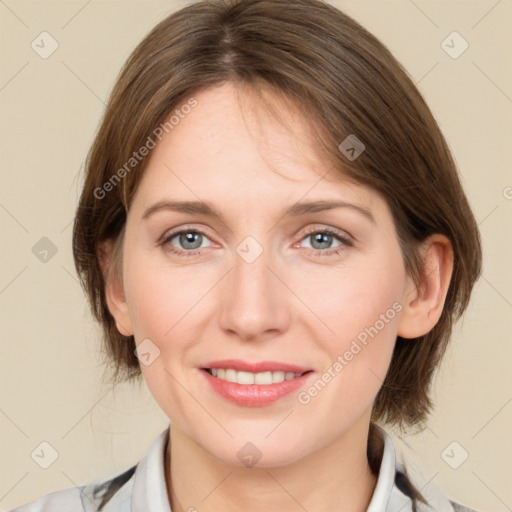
254 395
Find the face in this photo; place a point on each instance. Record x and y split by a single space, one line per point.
316 293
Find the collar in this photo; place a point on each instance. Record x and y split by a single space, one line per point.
149 487
386 480
391 495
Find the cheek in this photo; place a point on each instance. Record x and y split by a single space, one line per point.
359 308
354 300
164 305
160 296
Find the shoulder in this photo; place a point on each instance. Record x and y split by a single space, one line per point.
435 498
141 487
111 495
457 507
65 499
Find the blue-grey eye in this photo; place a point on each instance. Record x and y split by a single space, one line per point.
189 240
321 240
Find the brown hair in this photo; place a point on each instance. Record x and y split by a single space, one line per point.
346 82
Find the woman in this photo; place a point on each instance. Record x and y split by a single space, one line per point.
273 235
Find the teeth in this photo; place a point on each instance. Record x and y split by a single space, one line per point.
245 378
268 377
231 375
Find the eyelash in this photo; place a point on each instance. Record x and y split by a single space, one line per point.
346 242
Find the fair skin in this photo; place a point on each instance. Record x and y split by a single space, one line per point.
297 302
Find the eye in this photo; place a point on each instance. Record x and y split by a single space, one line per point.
189 239
322 239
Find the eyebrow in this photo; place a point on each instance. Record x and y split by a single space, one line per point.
295 210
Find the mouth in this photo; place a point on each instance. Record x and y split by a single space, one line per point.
254 384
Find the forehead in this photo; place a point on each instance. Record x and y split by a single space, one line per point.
233 146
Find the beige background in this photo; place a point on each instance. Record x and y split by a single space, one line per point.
50 371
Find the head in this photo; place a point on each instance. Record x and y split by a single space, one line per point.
254 108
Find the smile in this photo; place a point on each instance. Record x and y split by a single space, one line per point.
263 378
254 384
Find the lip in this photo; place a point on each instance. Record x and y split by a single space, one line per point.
262 366
255 395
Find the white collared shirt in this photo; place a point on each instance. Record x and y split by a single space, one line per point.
143 488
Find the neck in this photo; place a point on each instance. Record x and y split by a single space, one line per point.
337 476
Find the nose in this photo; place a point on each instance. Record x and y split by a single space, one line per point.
255 301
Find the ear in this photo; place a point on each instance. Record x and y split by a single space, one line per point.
423 304
109 254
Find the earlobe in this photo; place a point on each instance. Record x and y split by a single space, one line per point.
114 293
423 304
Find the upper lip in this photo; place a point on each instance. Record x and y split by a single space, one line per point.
255 367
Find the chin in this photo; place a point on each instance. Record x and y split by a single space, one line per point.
257 451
